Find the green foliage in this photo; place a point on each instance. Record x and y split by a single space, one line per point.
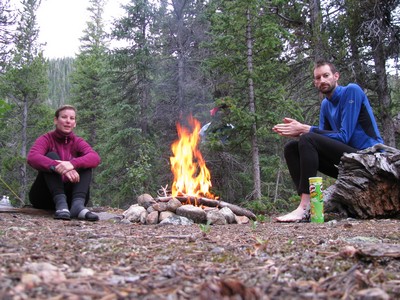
253 224
129 171
205 228
261 218
59 71
4 107
259 206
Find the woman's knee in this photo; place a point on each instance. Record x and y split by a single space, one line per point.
86 174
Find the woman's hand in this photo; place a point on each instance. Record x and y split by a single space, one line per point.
291 127
73 176
63 167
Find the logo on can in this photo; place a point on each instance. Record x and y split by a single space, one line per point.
317 202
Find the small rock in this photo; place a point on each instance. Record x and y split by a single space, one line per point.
46 272
173 204
242 220
160 206
363 239
30 280
176 220
218 250
216 217
165 214
145 200
150 209
135 214
228 214
152 218
372 294
105 216
85 272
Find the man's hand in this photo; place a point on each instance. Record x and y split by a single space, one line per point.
291 127
63 167
73 176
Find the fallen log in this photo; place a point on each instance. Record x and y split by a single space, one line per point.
25 210
368 184
237 210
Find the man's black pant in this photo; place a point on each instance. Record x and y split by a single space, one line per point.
311 153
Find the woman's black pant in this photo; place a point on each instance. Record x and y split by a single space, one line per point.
311 153
49 184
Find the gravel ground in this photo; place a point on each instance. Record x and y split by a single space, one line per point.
43 258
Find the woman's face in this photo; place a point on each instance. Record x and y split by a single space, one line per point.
66 121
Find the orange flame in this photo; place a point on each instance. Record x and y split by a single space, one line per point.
191 176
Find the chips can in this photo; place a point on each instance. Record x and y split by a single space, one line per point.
317 202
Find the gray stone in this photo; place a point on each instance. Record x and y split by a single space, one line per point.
176 220
135 214
363 239
216 217
228 214
150 209
173 204
105 216
145 200
160 206
152 218
197 214
242 219
165 214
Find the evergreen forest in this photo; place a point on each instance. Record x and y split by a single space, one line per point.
179 58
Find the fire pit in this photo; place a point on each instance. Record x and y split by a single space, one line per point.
190 199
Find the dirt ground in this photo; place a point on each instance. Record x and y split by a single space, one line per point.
43 258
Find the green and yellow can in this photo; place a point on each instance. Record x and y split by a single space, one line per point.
317 201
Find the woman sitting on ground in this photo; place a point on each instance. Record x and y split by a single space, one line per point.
65 162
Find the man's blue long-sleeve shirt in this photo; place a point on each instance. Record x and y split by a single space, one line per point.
348 118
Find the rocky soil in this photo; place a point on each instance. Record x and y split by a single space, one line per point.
43 258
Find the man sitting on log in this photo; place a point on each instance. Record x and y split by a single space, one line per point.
346 125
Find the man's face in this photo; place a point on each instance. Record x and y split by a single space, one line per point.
66 121
324 80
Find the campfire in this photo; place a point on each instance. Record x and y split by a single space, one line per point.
190 196
191 176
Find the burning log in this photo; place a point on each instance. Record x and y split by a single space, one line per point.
211 203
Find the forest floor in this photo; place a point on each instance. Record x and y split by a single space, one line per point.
43 258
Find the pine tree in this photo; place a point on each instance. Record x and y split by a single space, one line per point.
24 87
247 43
88 76
7 20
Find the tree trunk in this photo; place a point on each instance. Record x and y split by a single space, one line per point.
354 23
254 142
384 98
24 142
278 178
178 10
368 184
316 29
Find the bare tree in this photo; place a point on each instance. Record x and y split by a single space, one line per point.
384 41
252 106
